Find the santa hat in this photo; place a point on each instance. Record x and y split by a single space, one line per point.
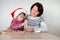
15 13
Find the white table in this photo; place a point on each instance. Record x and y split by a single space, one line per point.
27 36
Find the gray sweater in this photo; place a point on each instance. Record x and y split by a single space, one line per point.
34 22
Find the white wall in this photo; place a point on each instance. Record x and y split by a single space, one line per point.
52 15
51 12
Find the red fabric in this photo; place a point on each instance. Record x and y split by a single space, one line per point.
15 23
12 14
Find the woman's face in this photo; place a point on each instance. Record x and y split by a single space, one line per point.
34 11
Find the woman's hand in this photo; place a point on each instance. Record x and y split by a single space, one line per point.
29 30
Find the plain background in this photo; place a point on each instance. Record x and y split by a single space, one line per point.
51 13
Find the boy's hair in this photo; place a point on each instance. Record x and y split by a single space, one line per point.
40 8
22 13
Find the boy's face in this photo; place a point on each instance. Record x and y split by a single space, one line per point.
20 17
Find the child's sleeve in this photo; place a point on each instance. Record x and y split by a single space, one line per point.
14 24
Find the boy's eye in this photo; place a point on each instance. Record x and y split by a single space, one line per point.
21 17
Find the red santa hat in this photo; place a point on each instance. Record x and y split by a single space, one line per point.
17 11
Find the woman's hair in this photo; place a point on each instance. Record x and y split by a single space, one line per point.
40 8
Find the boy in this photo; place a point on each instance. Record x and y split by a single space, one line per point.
18 21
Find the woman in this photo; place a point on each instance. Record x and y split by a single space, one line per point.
36 22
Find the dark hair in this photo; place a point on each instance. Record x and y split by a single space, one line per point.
22 13
40 8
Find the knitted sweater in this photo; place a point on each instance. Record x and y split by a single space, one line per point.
34 22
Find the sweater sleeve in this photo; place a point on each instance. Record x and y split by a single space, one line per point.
43 26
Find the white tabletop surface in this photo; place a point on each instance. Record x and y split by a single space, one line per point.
27 36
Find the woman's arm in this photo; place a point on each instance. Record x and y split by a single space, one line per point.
43 27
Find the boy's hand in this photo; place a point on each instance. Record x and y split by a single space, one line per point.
24 23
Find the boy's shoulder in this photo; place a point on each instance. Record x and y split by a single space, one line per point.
14 20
